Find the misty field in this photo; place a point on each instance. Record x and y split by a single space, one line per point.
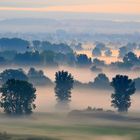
56 126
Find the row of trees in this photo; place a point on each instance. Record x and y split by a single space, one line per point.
21 45
49 58
18 96
38 78
101 47
44 58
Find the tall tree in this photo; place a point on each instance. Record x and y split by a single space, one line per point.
64 84
17 97
123 89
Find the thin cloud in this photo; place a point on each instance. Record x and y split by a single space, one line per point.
113 8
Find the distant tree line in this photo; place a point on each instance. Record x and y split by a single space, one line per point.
16 51
49 58
20 45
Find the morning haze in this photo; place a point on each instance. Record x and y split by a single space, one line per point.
70 69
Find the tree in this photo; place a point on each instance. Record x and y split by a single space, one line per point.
64 84
13 74
96 52
83 60
17 97
15 44
101 82
48 58
28 58
124 88
38 78
130 58
98 62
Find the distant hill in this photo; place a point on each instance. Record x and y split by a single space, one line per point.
72 26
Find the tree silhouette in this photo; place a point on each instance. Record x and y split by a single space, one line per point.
130 58
96 52
124 88
64 84
17 74
17 97
98 62
37 78
101 82
83 60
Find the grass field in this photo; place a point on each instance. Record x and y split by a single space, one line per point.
54 126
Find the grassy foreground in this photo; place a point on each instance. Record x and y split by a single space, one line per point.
54 126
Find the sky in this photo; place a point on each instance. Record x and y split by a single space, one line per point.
16 8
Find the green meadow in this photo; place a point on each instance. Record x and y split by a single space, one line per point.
55 126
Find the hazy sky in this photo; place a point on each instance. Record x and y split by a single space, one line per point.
15 7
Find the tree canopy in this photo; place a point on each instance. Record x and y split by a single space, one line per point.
17 74
64 84
123 89
17 97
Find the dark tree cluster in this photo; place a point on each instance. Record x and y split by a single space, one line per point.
129 47
20 45
35 77
36 58
130 60
17 74
27 58
99 48
101 82
83 60
62 48
38 78
97 62
16 44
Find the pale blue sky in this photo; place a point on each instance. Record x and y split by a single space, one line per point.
37 3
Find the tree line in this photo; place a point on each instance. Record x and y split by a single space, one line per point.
18 96
52 59
38 78
16 51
